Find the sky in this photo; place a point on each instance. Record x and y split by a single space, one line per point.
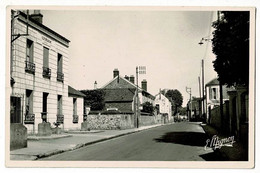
166 42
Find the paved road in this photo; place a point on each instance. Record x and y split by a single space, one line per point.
183 141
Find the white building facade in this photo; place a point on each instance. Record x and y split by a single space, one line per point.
39 75
164 105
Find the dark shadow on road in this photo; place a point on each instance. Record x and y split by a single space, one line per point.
214 156
184 138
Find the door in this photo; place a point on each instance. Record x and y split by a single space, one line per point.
15 110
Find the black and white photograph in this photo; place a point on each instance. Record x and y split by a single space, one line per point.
138 86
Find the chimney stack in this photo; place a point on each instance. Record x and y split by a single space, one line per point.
115 73
132 79
37 16
126 77
144 85
95 85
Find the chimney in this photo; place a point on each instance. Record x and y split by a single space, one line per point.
37 16
126 77
95 85
144 85
132 79
115 73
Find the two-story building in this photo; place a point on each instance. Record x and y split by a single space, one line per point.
39 75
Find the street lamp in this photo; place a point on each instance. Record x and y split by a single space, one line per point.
202 67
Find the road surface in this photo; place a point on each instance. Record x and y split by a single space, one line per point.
182 141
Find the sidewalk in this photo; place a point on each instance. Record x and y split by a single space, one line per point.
236 153
39 148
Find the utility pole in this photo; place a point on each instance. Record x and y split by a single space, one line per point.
139 70
188 90
203 99
200 96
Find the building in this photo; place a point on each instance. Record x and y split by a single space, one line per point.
121 93
39 76
164 106
212 94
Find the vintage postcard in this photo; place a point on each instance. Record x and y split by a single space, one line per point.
158 87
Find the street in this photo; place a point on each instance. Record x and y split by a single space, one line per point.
183 141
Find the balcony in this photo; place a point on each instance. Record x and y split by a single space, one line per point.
46 72
29 67
75 119
60 119
60 76
29 118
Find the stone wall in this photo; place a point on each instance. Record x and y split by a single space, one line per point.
110 122
147 120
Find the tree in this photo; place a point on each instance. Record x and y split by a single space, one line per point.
175 98
94 99
148 107
230 44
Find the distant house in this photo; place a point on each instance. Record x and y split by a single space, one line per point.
120 93
212 93
163 105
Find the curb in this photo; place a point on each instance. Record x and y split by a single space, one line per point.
47 138
92 142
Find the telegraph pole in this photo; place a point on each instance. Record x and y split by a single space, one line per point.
203 99
139 70
188 90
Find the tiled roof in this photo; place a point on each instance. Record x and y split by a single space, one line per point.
119 94
74 92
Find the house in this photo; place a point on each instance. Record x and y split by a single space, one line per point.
212 95
39 93
164 106
121 93
75 113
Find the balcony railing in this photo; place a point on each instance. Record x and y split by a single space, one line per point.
60 119
46 72
29 118
60 76
75 119
29 67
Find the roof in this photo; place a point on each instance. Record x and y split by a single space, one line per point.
213 82
74 92
125 84
24 16
119 94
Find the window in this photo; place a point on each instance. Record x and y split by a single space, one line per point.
75 116
44 106
60 75
60 117
29 102
46 70
214 93
59 105
29 116
74 106
29 65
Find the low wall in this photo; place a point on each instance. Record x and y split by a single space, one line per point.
147 120
110 122
215 117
